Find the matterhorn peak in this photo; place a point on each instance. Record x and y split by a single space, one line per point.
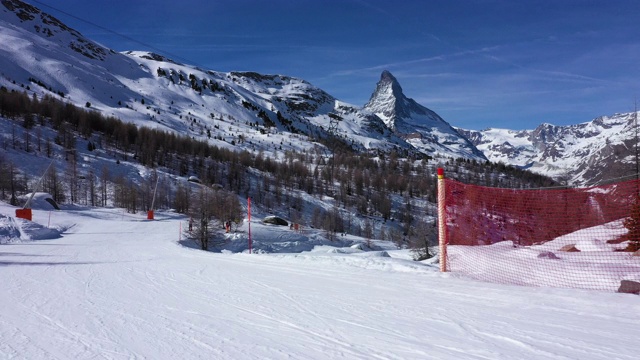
388 81
392 106
422 127
386 99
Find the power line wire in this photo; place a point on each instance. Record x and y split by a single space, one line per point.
129 38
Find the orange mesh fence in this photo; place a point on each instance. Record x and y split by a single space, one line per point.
584 238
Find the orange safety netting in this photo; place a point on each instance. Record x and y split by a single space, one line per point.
574 238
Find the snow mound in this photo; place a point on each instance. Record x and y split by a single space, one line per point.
40 201
592 245
548 255
34 231
275 220
345 250
14 230
9 230
375 254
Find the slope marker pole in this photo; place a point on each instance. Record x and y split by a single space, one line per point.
442 221
249 217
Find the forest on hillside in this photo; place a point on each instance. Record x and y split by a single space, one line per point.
382 186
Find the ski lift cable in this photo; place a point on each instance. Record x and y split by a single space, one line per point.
126 37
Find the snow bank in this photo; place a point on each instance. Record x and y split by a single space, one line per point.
9 230
40 201
13 229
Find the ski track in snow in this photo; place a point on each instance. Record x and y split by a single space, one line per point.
116 286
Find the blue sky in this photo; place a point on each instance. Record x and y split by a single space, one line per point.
479 64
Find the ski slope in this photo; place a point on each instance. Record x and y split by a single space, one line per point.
116 286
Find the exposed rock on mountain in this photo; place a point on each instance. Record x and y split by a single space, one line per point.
601 150
418 125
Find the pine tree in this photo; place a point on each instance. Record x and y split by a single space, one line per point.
421 236
202 214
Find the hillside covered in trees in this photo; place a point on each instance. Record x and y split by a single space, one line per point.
385 195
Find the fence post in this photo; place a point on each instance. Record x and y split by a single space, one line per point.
442 221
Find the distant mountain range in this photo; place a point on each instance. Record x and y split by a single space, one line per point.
273 113
597 151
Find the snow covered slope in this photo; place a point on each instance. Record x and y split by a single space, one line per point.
116 286
246 110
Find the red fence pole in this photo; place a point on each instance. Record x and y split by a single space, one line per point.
442 221
249 216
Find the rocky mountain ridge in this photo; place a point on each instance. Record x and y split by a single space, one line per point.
589 153
274 113
418 125
246 110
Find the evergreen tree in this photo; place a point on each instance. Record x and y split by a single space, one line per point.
28 121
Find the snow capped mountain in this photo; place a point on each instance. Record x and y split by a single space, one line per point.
245 110
273 113
596 151
51 28
419 126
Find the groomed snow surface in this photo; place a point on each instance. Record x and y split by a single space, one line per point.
103 284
